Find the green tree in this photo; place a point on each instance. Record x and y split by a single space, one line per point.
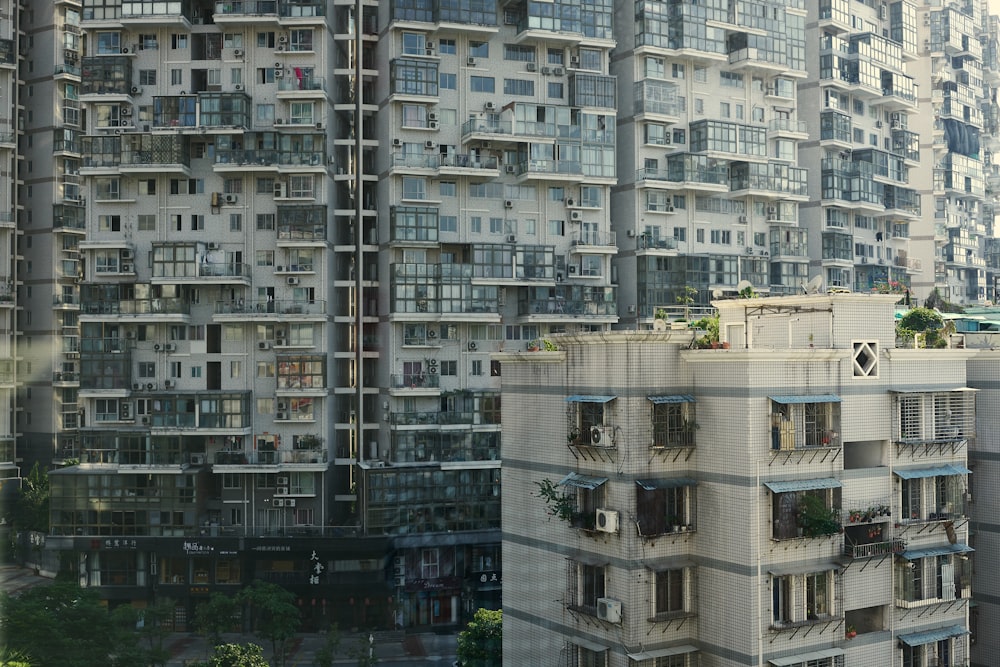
30 510
273 614
480 644
235 655
154 629
63 625
214 617
326 654
10 658
926 322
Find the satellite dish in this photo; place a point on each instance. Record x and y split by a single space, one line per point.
814 286
743 284
659 324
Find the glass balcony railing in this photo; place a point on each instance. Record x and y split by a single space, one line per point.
415 381
263 307
247 8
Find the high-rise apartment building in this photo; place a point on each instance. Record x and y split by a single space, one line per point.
287 237
11 117
798 499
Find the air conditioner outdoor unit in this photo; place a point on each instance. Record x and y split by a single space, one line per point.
292 280
574 61
570 201
128 268
279 502
124 50
282 405
214 245
282 481
397 142
264 345
290 502
432 116
281 491
749 250
169 384
512 238
127 110
432 333
772 209
508 203
281 415
430 45
557 71
669 208
157 347
280 341
530 66
197 459
279 190
125 411
127 254
878 124
238 86
278 73
238 53
489 106
510 169
743 219
231 199
609 609
470 61
432 125
572 268
136 386
575 216
473 346
282 39
546 70
607 521
601 436
430 145
145 421
171 347
150 386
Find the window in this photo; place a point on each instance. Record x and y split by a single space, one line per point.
519 53
590 582
668 594
655 67
518 87
673 417
664 506
796 424
482 84
414 188
448 81
801 598
476 367
555 89
446 47
449 368
147 77
479 49
805 513
677 70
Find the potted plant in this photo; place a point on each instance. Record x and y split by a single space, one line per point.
851 632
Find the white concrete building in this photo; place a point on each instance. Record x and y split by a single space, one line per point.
796 499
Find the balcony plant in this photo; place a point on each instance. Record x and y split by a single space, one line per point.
710 325
815 518
558 503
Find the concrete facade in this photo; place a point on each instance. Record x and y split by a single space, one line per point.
710 469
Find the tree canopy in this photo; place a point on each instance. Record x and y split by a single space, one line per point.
274 614
236 655
480 644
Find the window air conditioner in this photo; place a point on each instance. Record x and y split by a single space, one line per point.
600 436
607 521
609 609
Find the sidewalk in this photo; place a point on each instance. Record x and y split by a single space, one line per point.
186 648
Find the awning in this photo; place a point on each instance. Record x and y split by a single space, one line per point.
582 481
929 636
672 483
931 391
803 658
587 644
586 398
668 563
652 654
919 473
803 485
817 398
946 550
675 398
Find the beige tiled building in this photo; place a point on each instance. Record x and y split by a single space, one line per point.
796 499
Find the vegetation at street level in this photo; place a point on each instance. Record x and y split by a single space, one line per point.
63 625
214 617
30 511
273 615
236 655
480 644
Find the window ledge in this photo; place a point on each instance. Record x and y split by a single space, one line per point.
671 616
791 625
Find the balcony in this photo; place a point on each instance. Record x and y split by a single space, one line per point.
269 458
305 87
139 309
246 11
594 240
469 165
415 381
875 549
269 309
166 13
